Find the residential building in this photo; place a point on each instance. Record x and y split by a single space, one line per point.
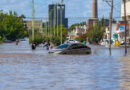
127 9
114 31
127 13
37 25
79 30
121 30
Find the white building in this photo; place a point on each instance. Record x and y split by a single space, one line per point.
114 31
127 13
127 9
79 30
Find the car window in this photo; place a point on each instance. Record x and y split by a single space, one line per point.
78 46
62 46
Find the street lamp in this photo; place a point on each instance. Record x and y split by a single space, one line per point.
33 11
61 21
54 19
57 18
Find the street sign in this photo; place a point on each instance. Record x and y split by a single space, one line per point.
115 36
122 27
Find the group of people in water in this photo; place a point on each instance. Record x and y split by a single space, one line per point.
44 44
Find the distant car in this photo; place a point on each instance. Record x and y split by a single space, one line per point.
71 41
8 41
75 48
106 42
22 39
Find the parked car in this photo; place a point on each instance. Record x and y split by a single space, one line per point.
72 48
8 41
71 41
22 39
106 42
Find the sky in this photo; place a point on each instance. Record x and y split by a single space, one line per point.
74 8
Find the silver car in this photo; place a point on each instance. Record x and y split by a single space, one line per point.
75 48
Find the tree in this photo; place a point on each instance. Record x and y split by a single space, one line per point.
11 26
95 33
56 39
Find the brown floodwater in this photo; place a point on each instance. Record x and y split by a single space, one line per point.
24 69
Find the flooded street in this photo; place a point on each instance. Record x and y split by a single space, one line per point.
24 69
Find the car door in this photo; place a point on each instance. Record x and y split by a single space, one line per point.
74 49
79 49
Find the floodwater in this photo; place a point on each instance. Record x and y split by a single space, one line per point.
24 69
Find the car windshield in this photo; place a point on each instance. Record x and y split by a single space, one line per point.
62 46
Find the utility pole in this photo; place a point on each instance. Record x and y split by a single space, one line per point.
54 22
33 11
61 24
48 23
125 27
61 21
57 18
46 26
110 24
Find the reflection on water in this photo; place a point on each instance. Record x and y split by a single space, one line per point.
125 72
25 69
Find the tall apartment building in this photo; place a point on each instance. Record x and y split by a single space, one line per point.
56 14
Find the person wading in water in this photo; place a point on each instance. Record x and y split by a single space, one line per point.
33 46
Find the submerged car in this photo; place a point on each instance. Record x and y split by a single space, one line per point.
75 48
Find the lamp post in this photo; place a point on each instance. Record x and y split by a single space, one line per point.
54 22
61 21
46 26
61 24
57 19
33 11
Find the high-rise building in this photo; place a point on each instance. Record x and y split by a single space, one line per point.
56 14
94 9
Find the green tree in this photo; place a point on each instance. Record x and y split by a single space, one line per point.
95 33
11 26
56 39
